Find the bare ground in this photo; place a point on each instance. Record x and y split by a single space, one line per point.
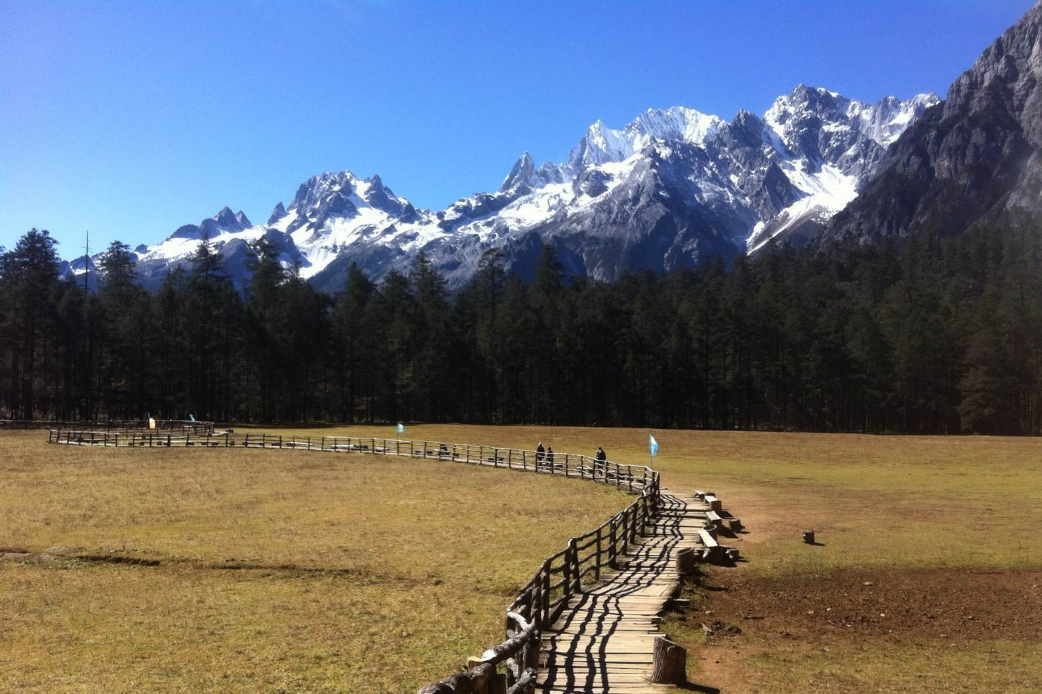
878 604
879 630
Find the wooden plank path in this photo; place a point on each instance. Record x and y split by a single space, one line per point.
603 640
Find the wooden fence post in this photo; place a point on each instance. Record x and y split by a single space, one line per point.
576 569
625 531
633 527
546 597
597 566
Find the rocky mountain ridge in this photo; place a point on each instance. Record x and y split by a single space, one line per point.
975 160
671 189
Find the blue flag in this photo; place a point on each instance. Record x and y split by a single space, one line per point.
191 417
652 445
401 428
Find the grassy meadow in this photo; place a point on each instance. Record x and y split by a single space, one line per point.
309 572
279 571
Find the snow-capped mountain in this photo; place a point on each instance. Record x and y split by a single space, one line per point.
827 147
672 188
601 144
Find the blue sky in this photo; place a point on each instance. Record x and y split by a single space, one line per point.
132 118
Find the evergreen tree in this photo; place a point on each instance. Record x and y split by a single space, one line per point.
29 285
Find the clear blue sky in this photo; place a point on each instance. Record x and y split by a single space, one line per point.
132 118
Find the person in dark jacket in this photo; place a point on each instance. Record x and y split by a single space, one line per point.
550 457
539 453
601 458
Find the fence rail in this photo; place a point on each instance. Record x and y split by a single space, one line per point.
542 599
125 425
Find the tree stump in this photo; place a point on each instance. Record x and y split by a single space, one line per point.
685 561
808 537
669 662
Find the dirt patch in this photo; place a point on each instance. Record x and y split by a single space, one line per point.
59 553
116 559
850 604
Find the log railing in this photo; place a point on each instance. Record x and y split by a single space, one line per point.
124 425
541 600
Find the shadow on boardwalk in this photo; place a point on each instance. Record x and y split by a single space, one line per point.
603 642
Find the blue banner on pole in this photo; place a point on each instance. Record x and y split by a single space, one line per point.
401 428
652 445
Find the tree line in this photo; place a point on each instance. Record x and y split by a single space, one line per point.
932 334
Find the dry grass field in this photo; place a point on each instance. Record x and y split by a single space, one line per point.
279 571
292 571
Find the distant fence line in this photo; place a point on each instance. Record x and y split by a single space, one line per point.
540 601
125 425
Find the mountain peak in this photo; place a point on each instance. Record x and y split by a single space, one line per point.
676 123
522 173
225 217
278 213
884 121
320 189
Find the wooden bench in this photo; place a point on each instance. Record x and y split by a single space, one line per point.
711 548
713 551
714 503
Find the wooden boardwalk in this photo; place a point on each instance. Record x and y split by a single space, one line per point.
603 640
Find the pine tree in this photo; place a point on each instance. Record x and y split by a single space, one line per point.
30 281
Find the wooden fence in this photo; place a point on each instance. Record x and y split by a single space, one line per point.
541 600
124 425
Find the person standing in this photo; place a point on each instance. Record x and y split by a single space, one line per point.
601 459
550 457
540 453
